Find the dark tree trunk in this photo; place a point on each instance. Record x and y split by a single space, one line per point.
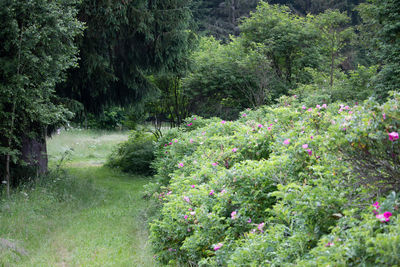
34 153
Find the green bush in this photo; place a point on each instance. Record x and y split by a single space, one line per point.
274 186
134 155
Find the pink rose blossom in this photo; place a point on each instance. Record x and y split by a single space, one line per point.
318 107
223 122
269 128
393 136
187 199
311 137
217 246
305 146
303 107
185 217
191 141
244 115
249 220
286 142
384 116
233 215
309 110
329 244
170 143
260 227
376 205
169 193
211 192
192 186
223 191
190 124
309 151
176 140
194 118
260 126
234 149
324 106
214 163
193 213
180 165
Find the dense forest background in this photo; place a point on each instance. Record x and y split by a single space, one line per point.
108 64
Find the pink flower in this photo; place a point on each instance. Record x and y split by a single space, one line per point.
193 213
169 193
393 136
217 246
203 133
376 205
384 116
324 106
214 163
346 107
309 151
166 145
329 244
318 107
185 217
244 115
269 128
170 143
223 122
311 137
295 96
384 217
190 124
223 191
191 141
211 192
234 149
192 186
187 199
309 110
350 112
304 146
176 140
233 215
194 118
260 126
260 227
249 220
303 107
180 165
286 142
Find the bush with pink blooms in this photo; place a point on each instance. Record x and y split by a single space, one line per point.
292 192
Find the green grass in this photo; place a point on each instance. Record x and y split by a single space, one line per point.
86 147
88 215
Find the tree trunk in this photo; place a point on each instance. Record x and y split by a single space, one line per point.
34 153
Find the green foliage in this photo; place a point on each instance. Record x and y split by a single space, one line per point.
134 155
110 119
123 42
380 29
290 41
271 187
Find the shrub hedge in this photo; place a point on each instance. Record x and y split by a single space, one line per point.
289 185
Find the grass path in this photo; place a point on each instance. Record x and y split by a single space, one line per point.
103 223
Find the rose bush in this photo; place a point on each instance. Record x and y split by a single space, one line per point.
281 185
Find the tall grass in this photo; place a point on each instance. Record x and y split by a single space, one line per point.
80 215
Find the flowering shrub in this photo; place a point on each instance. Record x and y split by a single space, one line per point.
281 185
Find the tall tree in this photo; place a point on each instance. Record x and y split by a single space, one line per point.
123 42
290 41
381 32
38 46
